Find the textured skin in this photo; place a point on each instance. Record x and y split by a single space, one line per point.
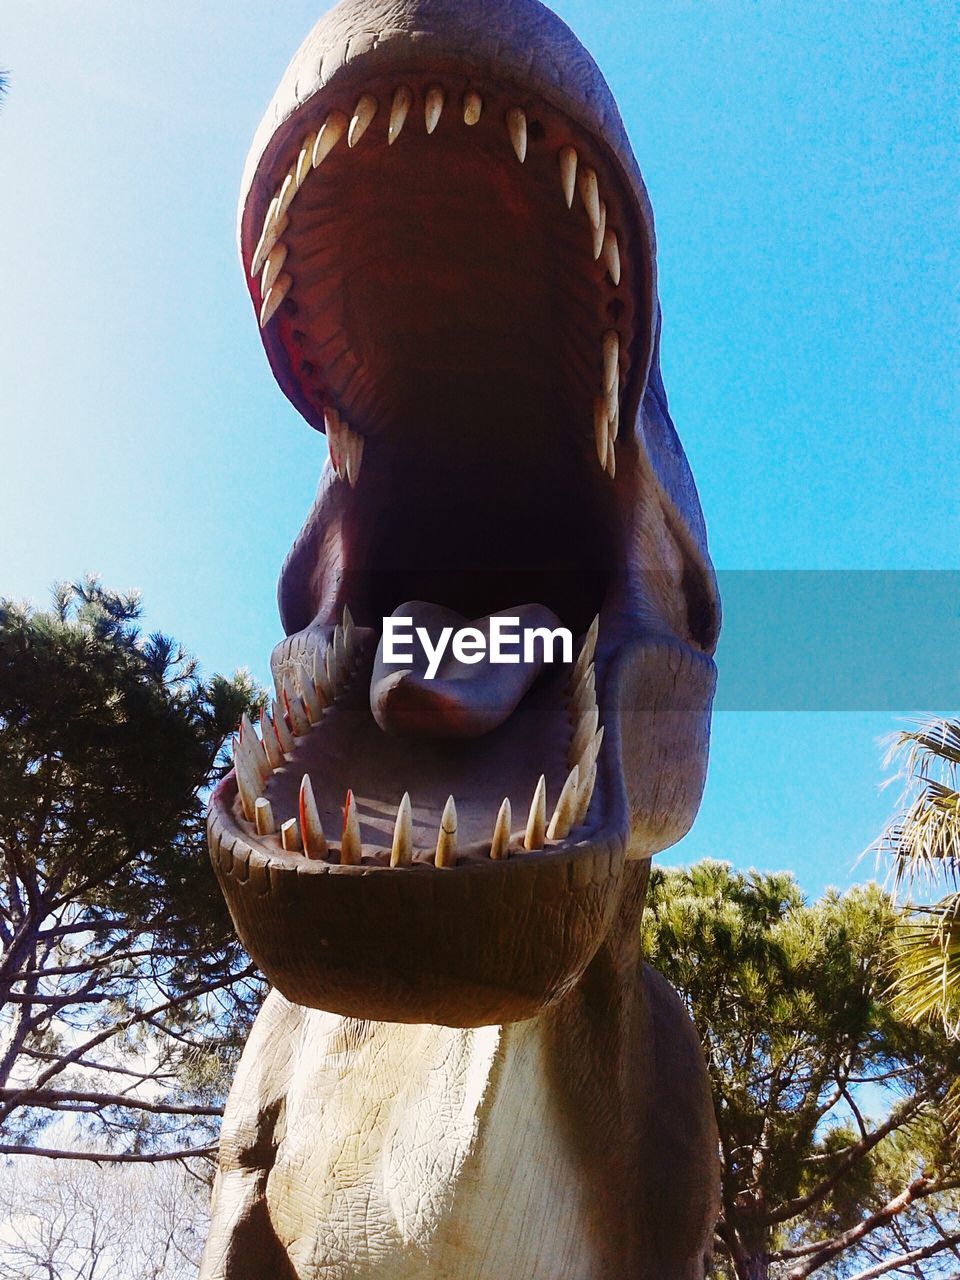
536 1107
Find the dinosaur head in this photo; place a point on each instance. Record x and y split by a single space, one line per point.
450 254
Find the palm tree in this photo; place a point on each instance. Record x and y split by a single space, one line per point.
924 843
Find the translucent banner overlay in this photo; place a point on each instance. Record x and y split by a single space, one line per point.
839 640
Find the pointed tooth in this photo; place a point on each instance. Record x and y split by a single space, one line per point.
613 413
268 237
401 854
312 700
399 109
611 360
288 189
599 232
275 295
585 695
263 817
500 844
585 731
537 821
600 429
248 785
433 106
566 810
333 675
272 267
517 128
311 829
472 107
284 736
290 836
304 159
363 113
612 461
332 130
447 836
253 748
349 632
297 712
590 753
611 255
269 741
568 173
321 680
351 847
354 457
587 783
590 194
335 433
340 652
587 652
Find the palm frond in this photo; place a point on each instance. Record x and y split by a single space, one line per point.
926 965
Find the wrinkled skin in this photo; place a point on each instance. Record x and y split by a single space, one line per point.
464 1068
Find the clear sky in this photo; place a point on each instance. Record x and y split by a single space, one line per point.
801 160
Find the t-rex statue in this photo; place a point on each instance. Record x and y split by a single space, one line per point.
464 1069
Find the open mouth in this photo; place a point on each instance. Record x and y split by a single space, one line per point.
454 281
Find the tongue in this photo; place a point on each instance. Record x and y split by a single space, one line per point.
462 700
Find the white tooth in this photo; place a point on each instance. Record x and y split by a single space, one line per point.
433 107
402 102
284 736
321 680
349 632
269 739
585 695
600 429
311 829
590 753
613 412
611 255
288 189
517 128
401 854
586 794
272 267
275 295
334 127
363 113
290 836
312 700
248 784
335 438
263 817
355 443
472 107
568 173
333 675
537 821
599 232
351 847
566 810
587 652
447 836
590 195
273 229
585 731
253 748
305 159
299 720
500 844
612 461
611 360
340 652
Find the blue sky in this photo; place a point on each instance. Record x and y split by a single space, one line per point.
801 162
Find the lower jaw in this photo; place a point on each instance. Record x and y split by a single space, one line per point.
483 941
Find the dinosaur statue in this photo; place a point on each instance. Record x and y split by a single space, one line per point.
464 1069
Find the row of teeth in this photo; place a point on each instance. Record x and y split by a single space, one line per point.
255 758
270 256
